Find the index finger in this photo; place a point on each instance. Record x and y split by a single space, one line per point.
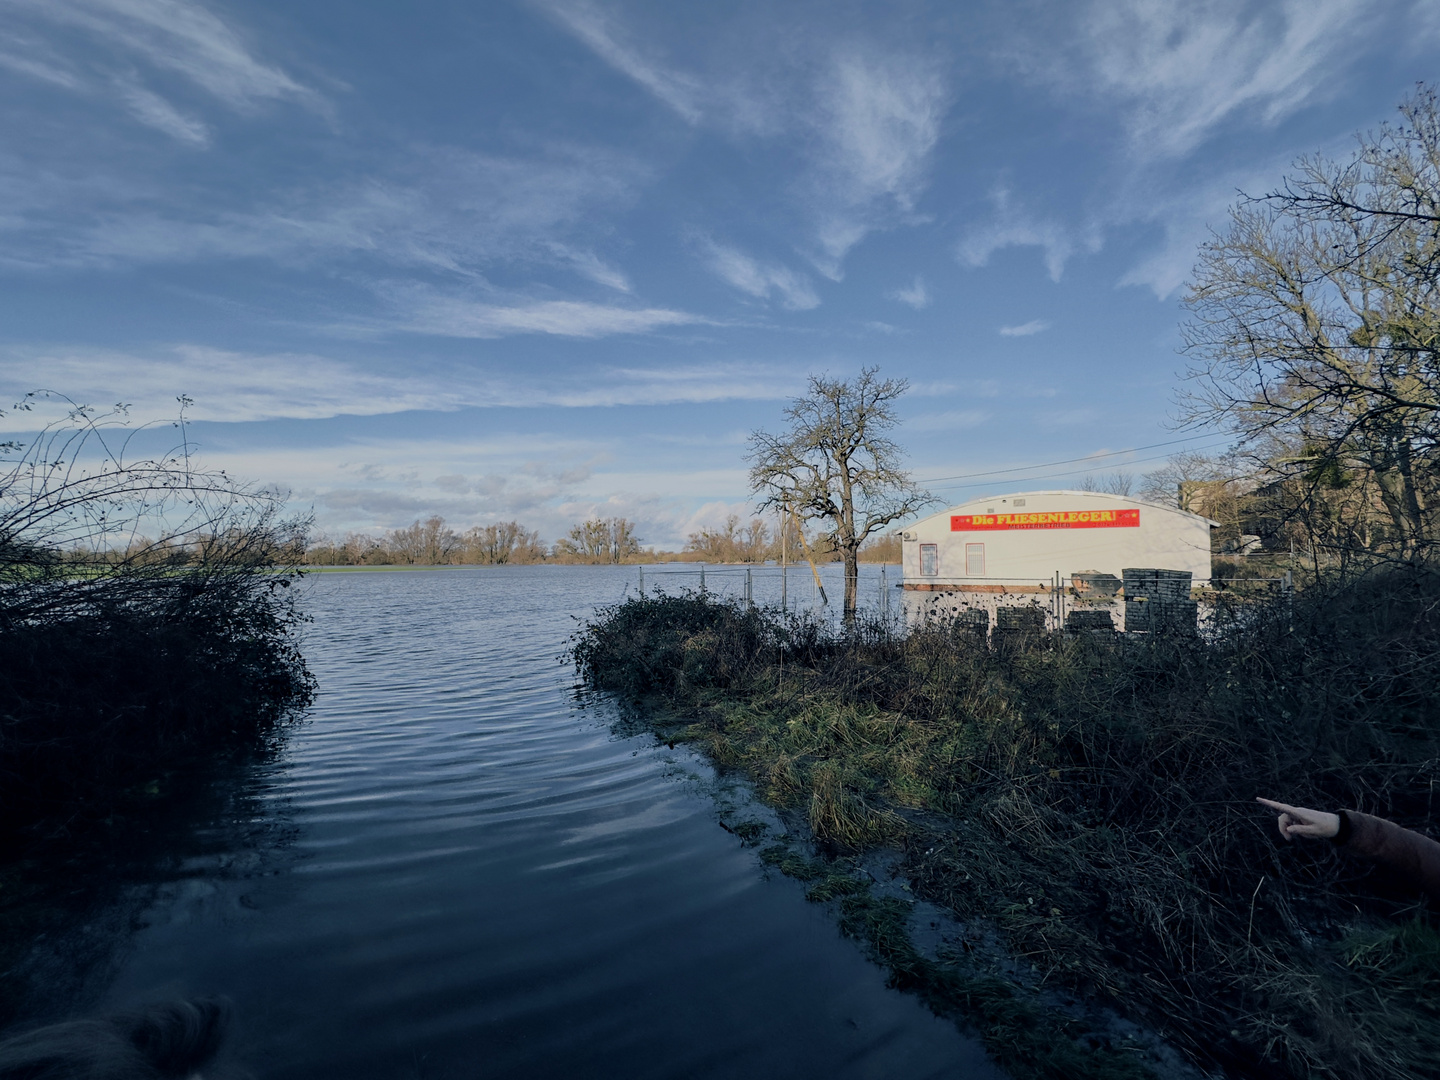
1283 807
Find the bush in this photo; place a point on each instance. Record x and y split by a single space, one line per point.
1092 796
126 658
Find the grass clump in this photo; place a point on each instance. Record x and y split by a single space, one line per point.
1092 798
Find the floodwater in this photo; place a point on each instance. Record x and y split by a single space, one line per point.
452 870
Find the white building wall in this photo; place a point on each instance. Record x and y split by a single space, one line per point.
1029 549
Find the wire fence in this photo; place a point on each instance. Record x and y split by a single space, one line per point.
1051 603
1056 600
792 588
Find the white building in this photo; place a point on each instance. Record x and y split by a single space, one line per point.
1011 542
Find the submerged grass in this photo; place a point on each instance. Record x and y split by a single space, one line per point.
1091 797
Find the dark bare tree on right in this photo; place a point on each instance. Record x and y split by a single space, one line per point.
834 463
1314 332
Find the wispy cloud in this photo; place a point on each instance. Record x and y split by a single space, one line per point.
608 39
880 119
1034 326
235 387
864 116
153 110
31 56
426 312
756 278
1180 71
440 209
227 386
1011 225
951 420
178 36
1185 212
95 47
915 294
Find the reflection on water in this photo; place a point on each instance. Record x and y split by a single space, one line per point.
478 879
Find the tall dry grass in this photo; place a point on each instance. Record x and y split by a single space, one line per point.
1092 796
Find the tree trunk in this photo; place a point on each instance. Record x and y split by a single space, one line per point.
851 555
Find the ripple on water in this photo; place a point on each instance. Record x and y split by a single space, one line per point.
480 880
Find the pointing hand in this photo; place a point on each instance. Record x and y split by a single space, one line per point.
1298 821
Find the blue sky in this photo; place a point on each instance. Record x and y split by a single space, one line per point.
541 260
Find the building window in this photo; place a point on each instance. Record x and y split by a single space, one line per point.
929 557
974 560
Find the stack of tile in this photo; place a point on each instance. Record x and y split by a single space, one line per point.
1017 622
973 621
1089 619
1158 601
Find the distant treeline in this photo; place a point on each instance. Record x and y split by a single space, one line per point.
600 540
756 541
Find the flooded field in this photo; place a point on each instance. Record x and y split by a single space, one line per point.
453 871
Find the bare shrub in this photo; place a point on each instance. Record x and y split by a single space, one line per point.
125 654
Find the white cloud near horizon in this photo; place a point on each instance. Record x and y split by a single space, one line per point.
547 480
1034 326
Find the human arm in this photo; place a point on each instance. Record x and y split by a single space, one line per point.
1412 854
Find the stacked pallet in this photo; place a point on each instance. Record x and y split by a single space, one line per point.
1089 620
1158 601
973 621
1014 623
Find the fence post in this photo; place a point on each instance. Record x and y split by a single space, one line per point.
784 587
749 589
642 581
702 577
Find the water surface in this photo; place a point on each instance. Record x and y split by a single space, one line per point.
453 871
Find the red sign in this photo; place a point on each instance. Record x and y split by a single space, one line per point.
1048 519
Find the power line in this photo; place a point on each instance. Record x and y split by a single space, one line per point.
1070 461
1047 476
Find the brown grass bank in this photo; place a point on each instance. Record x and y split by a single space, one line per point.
1091 798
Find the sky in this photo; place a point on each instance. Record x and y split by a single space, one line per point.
551 259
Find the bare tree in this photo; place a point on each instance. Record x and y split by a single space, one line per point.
735 542
1208 486
505 542
1117 483
599 540
431 543
835 464
1314 330
77 510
